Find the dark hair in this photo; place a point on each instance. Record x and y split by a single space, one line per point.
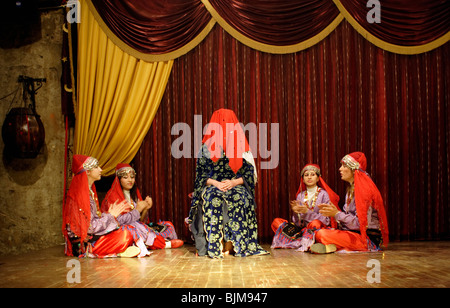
133 190
318 175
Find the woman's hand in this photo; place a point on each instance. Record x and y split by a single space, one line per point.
225 184
141 206
298 207
117 208
144 205
222 186
328 209
149 201
229 184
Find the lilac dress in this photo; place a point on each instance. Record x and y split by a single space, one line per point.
98 226
143 235
303 243
347 219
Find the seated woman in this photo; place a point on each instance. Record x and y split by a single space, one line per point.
223 205
362 225
124 188
306 218
87 231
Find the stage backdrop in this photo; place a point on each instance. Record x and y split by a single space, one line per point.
334 82
339 96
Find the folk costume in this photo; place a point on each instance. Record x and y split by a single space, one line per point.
363 223
216 216
301 231
87 231
143 235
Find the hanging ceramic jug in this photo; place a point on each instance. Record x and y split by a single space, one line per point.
23 131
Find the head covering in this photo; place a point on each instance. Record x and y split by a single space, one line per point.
224 132
122 169
334 198
77 208
366 194
115 193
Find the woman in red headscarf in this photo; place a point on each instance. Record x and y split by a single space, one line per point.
362 224
223 205
306 219
124 189
86 230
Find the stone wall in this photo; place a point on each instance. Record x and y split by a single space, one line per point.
31 190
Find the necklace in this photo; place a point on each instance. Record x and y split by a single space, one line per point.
99 213
350 195
313 202
127 196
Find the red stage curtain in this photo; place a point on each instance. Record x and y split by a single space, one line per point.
418 140
339 96
403 22
277 23
156 26
161 26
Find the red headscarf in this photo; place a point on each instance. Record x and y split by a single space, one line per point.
77 208
366 194
115 193
334 198
225 133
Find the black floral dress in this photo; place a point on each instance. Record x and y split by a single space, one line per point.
217 216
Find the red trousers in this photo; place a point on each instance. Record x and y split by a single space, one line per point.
118 241
159 243
112 243
313 224
342 239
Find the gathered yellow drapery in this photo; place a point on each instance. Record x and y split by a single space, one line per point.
117 96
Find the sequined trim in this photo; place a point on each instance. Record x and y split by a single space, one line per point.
125 170
310 167
90 163
350 162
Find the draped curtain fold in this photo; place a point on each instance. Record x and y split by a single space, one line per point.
277 22
161 30
405 27
276 26
403 22
117 97
153 30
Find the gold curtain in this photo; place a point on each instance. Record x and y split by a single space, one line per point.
117 96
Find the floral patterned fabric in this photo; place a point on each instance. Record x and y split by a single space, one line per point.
217 216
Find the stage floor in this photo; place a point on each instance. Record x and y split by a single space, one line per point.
403 265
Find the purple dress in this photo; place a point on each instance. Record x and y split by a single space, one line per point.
143 235
303 243
98 226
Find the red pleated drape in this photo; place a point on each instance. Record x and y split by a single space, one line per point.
339 96
161 26
403 22
419 135
154 27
